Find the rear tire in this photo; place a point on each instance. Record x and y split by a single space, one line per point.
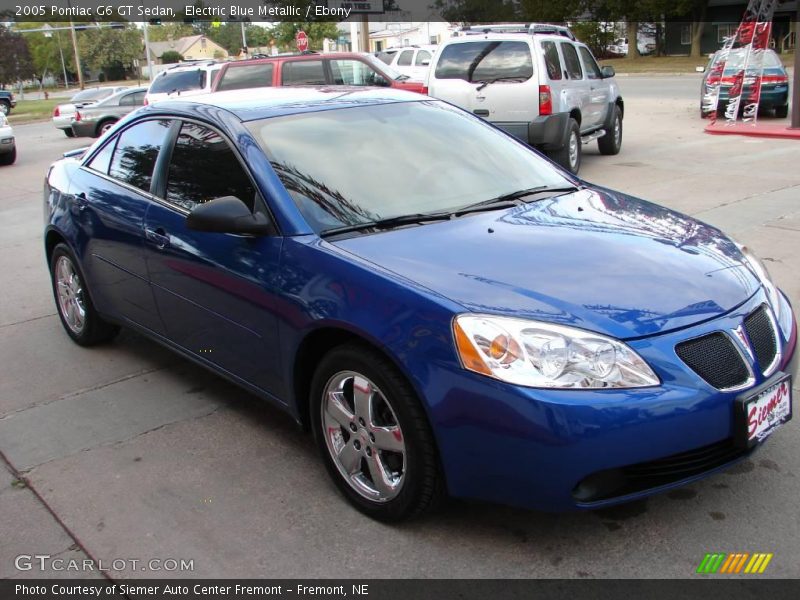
611 142
374 436
104 126
569 156
74 302
69 133
781 112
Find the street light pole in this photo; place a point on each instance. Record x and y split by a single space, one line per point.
796 89
244 42
63 64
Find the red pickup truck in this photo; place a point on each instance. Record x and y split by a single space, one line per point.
337 68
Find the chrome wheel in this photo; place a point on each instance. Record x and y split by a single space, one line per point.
617 131
574 147
69 290
363 436
106 127
4 108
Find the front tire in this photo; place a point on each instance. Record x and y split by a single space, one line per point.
611 142
69 133
74 303
374 436
781 112
569 156
9 158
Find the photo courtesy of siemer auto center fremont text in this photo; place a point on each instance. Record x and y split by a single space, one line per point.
399 299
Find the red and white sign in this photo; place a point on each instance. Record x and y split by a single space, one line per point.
301 39
769 410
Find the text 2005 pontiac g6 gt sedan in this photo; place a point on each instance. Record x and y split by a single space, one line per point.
454 316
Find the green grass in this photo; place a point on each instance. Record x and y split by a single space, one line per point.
30 111
667 64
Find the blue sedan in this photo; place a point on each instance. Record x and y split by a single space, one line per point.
446 310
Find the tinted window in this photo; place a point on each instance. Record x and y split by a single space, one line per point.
95 94
405 57
134 99
204 167
336 167
552 60
385 56
246 76
422 56
102 160
180 81
571 59
354 72
592 70
136 153
485 61
303 72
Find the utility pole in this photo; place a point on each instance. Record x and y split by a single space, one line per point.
364 33
147 50
77 55
244 42
796 89
63 64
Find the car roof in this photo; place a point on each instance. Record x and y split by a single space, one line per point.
508 37
262 103
297 56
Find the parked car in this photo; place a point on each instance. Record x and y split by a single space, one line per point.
96 119
184 80
335 68
63 114
8 146
457 316
410 60
7 102
774 82
544 88
620 47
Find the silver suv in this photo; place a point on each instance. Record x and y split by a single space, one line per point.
540 85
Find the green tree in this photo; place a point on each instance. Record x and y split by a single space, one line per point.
171 57
283 33
15 58
167 32
111 50
44 50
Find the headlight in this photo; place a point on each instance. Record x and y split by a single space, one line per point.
536 354
780 306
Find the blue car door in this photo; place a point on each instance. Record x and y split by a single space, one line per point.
111 194
213 290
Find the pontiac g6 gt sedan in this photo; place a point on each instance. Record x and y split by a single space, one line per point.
458 316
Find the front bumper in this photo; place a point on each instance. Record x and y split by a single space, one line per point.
7 144
533 448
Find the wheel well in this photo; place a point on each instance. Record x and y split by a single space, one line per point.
103 122
621 105
51 240
311 351
575 114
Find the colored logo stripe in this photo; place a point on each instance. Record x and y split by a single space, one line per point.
721 562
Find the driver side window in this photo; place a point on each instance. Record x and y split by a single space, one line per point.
204 167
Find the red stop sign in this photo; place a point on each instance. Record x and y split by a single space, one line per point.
301 39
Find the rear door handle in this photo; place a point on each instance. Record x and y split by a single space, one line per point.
158 237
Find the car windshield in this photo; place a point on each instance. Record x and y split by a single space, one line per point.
357 165
180 81
95 94
736 60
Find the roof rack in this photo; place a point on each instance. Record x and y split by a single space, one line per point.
525 28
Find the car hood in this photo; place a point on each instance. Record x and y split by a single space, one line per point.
600 261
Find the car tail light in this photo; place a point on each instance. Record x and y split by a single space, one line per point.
146 102
56 112
545 100
424 90
775 79
78 116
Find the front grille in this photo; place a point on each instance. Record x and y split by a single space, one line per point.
759 329
631 479
714 358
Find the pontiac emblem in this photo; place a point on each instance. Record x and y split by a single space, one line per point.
744 341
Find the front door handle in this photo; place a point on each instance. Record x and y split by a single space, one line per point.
158 237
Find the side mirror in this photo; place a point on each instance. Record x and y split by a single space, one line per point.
425 62
607 71
227 214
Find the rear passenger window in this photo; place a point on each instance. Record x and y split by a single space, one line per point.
204 167
592 70
552 61
422 56
303 72
136 153
404 60
571 59
485 61
246 76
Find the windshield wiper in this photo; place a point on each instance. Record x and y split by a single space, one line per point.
513 198
486 82
388 223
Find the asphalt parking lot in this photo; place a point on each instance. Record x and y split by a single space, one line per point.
129 452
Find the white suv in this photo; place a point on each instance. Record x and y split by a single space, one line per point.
184 79
542 86
410 60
